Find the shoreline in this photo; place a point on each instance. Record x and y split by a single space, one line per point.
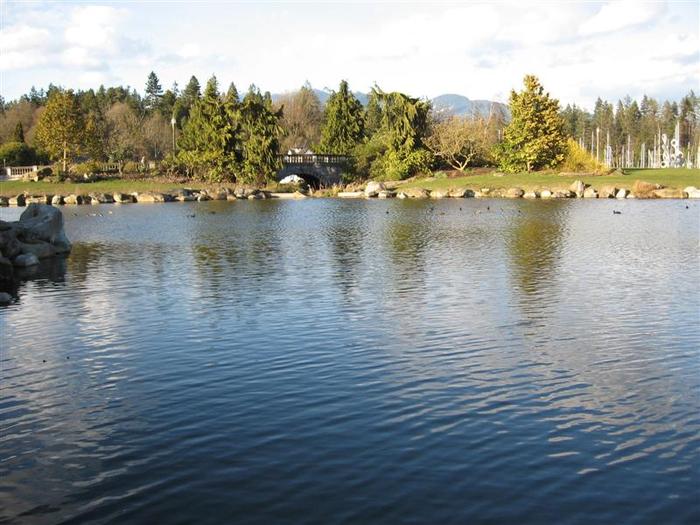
382 193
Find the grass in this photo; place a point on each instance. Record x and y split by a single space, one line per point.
15 187
669 177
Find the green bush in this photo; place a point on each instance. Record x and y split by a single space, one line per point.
85 168
17 154
399 165
131 167
578 159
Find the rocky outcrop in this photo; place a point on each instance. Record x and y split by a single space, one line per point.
692 192
123 198
37 235
73 199
545 194
149 196
373 188
439 194
18 200
578 187
386 194
530 195
413 193
669 193
515 193
590 193
607 192
644 190
459 193
621 193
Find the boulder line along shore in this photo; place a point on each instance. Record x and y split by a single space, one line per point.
373 189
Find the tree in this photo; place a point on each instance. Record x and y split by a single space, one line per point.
301 119
19 133
123 135
154 92
397 149
460 141
17 154
60 130
535 137
260 132
343 126
210 144
373 114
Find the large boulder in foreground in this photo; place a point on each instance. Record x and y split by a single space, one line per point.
42 222
37 235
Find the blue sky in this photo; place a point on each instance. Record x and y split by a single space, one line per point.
479 49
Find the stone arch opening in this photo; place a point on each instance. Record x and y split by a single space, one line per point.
312 180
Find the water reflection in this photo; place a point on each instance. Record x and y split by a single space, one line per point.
307 356
48 273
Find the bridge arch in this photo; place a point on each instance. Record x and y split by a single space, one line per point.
320 170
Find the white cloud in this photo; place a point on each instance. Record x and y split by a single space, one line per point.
621 14
23 46
579 50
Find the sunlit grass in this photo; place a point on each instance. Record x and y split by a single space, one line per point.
669 177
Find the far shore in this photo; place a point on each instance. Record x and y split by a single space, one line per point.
659 183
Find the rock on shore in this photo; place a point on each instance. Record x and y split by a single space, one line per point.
37 235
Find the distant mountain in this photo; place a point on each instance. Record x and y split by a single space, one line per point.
461 105
448 104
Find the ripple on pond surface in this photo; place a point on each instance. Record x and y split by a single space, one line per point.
291 361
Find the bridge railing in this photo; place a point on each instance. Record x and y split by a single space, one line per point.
314 159
19 172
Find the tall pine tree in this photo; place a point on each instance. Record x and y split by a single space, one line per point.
343 126
154 92
535 137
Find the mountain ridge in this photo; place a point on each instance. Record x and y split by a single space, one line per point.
445 104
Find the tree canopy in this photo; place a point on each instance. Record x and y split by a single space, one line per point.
61 127
535 137
343 122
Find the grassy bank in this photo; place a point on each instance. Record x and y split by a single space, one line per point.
10 188
670 178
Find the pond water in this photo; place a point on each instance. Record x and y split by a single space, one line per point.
328 361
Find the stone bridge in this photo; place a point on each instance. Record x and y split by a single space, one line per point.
318 170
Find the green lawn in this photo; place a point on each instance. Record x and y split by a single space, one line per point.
11 188
669 177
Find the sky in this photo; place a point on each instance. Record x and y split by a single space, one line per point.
482 50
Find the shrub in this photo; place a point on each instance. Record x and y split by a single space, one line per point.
131 167
578 159
85 168
17 154
399 165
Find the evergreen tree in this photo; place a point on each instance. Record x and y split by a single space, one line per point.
60 130
210 142
19 133
261 131
154 92
343 126
396 150
535 137
373 114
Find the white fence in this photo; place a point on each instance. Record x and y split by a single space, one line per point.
20 172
